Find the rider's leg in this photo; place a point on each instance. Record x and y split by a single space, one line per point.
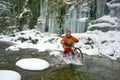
72 51
73 54
66 50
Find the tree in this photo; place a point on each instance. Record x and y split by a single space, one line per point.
29 13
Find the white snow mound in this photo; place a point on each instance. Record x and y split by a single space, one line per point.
9 75
32 64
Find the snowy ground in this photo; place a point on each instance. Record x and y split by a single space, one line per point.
91 43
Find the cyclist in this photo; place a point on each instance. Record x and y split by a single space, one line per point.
67 42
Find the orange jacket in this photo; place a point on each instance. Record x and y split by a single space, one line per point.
69 40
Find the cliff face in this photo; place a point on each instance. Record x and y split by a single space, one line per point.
114 7
74 14
56 15
110 22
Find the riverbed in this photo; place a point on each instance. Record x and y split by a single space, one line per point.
93 68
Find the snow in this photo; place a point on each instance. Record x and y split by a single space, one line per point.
91 43
9 75
101 43
25 11
105 21
113 5
55 53
108 18
32 64
69 2
83 19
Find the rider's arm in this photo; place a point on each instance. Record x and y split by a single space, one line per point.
63 40
75 39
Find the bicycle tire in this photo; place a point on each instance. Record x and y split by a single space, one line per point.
78 54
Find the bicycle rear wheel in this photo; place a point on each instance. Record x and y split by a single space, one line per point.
78 54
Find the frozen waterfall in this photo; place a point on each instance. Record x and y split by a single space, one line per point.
76 18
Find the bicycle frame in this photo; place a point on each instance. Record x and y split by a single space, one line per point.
74 53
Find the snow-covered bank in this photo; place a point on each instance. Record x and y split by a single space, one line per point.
101 43
93 42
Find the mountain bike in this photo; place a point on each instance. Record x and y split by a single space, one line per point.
75 53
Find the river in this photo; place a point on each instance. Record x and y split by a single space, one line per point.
93 68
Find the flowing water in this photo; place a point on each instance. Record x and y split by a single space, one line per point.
93 68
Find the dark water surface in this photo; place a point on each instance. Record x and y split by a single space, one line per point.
94 68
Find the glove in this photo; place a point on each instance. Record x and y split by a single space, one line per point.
68 44
71 44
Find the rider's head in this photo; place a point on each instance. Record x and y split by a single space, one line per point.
68 33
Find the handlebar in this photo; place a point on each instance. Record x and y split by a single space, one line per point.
70 44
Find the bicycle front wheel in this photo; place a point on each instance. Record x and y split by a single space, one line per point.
78 54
